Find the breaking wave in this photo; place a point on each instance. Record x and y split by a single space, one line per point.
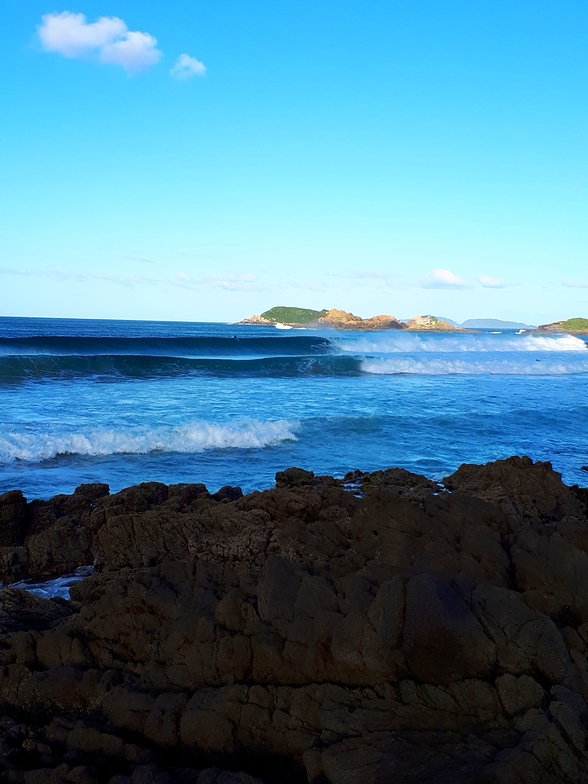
186 439
394 343
458 367
39 359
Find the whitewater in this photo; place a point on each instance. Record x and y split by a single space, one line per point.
128 402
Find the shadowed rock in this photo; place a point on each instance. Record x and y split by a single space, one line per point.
377 630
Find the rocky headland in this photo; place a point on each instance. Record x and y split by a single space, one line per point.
342 320
382 629
573 326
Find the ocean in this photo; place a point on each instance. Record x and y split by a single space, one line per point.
125 402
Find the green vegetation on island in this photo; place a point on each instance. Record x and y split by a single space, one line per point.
342 320
284 315
577 325
306 318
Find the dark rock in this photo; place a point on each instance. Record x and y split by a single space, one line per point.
531 492
12 518
294 477
228 493
443 640
92 491
416 634
23 611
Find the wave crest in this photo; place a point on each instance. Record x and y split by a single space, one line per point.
457 367
457 344
188 439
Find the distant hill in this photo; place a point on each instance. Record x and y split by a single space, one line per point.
284 315
494 324
578 326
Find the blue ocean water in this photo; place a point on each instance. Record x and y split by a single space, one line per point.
127 402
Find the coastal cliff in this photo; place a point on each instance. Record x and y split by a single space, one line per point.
380 629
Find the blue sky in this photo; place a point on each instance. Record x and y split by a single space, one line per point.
383 157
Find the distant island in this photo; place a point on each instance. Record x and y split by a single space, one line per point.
341 320
495 324
573 326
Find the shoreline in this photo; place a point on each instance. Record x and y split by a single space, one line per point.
411 330
324 630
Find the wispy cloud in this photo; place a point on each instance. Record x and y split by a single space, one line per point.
576 284
488 282
361 274
139 258
228 282
108 39
81 277
442 279
305 285
186 67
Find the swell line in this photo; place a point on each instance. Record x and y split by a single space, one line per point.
15 369
167 347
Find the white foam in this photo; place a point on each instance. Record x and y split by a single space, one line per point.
395 343
192 438
449 367
59 586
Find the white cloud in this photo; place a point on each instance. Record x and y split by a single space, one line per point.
576 284
490 283
442 279
109 38
185 67
135 52
70 35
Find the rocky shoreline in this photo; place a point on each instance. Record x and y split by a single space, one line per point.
342 321
382 629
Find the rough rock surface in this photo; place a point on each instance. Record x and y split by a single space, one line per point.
430 324
342 320
382 629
